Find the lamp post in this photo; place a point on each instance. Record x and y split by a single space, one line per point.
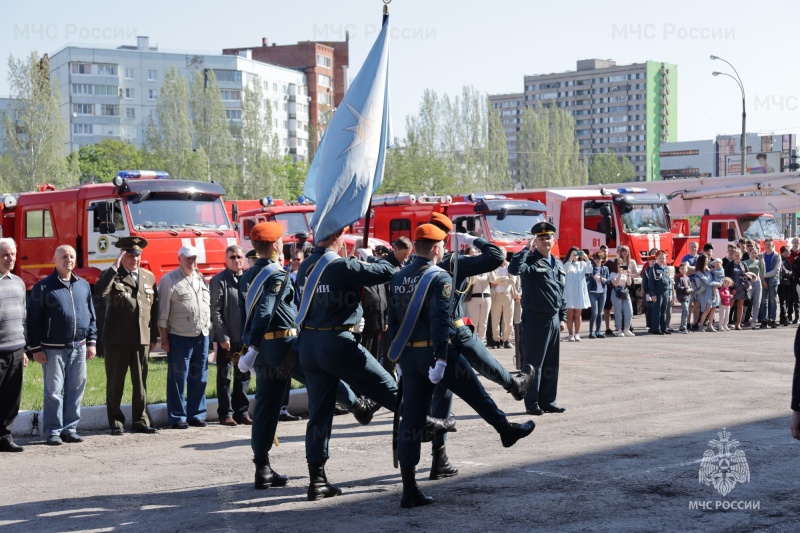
738 81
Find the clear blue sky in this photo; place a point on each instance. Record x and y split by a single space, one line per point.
444 45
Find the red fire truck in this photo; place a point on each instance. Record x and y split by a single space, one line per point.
90 218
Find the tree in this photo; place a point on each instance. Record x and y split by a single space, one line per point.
210 123
34 129
169 137
100 162
257 148
607 167
548 153
292 174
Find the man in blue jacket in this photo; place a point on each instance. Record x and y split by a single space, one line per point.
62 334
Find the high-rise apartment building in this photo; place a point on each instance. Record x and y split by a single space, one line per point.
113 92
630 109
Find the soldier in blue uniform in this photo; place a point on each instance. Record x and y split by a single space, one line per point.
420 326
466 342
544 315
658 292
269 335
330 307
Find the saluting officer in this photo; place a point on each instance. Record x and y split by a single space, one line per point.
544 315
330 306
130 332
466 341
419 324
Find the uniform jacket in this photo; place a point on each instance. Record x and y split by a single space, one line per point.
131 310
658 280
542 284
225 324
433 321
61 316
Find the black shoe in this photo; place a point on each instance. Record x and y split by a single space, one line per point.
286 416
436 426
53 440
148 430
695 327
72 438
795 321
521 382
180 425
554 408
773 324
609 332
337 411
8 445
266 477
412 496
510 432
763 325
784 323
319 487
440 465
668 332
197 423
536 411
364 409
507 344
117 431
600 336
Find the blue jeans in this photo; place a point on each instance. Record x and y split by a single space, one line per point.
769 296
623 312
598 301
65 370
684 314
187 367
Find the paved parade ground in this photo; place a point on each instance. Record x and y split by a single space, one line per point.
626 456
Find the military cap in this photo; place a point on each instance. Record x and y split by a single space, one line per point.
251 253
543 228
132 245
429 232
266 232
441 221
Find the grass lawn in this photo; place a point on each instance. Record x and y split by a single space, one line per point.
95 394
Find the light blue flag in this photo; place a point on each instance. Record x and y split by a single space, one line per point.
348 165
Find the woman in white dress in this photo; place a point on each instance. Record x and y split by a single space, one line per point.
576 266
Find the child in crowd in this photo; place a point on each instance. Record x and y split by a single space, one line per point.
717 275
725 299
683 293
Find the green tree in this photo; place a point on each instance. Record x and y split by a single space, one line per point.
292 174
257 148
607 167
34 129
100 162
214 141
169 137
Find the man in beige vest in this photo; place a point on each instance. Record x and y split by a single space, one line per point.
184 319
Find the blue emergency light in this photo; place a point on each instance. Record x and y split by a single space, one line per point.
267 201
123 175
631 190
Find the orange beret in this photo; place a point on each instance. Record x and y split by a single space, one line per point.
441 221
266 232
429 232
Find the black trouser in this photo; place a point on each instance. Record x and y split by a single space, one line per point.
785 299
374 319
10 389
232 401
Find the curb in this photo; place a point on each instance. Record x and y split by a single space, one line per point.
95 419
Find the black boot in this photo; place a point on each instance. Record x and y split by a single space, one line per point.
436 426
440 466
521 382
510 432
412 497
319 487
266 477
363 410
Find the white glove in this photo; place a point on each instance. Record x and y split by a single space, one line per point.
247 361
464 240
436 372
364 253
358 328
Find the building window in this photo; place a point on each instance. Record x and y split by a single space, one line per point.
108 110
37 224
228 75
153 114
284 88
266 85
152 74
323 61
83 109
81 68
107 90
129 73
324 98
129 94
130 112
274 87
82 129
81 88
275 105
231 95
233 114
324 80
106 70
152 94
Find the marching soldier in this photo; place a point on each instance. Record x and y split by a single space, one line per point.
419 323
544 316
130 332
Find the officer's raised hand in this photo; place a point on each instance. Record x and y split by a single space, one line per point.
436 372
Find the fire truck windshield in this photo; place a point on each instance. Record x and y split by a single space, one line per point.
160 211
756 228
648 218
515 225
292 222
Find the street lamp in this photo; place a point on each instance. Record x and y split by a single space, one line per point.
738 81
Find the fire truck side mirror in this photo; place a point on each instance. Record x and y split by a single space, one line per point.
731 235
104 215
502 214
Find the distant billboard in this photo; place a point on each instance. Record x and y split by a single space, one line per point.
761 163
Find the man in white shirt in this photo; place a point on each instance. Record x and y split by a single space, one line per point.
503 297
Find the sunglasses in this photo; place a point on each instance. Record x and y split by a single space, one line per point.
296 260
235 257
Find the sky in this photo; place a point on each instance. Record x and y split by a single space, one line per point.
445 45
